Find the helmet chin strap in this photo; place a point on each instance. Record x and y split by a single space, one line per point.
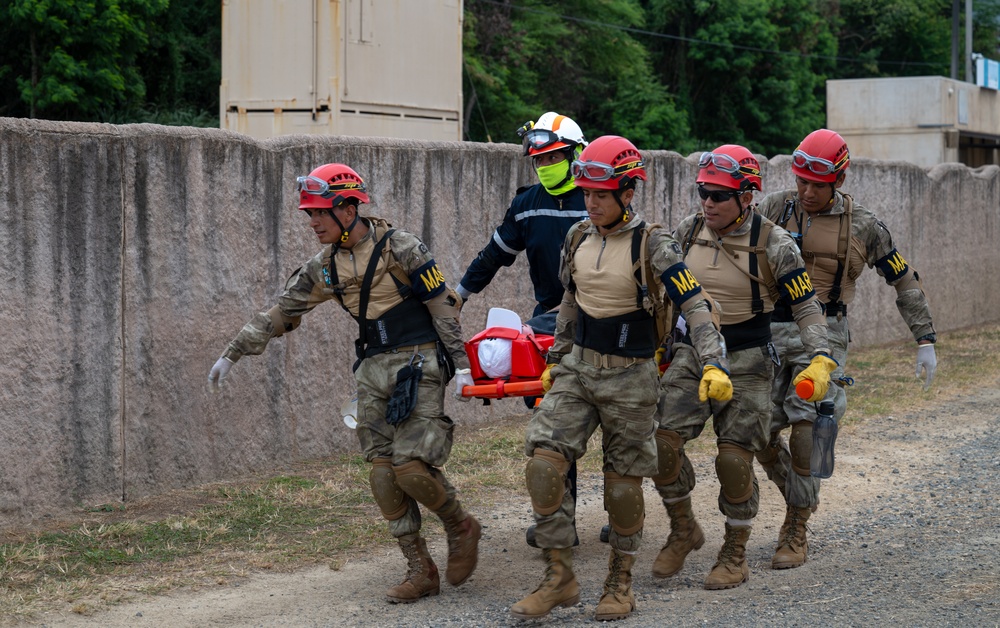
740 217
625 213
345 232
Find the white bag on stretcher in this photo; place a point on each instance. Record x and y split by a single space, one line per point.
495 353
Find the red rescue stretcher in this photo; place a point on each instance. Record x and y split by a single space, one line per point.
528 352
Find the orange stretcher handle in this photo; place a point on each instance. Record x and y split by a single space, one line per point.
505 389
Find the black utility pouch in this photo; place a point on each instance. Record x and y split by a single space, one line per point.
404 395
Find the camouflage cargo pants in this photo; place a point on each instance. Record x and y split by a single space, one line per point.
621 401
742 421
426 435
787 407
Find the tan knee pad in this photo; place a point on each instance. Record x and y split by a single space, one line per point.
416 480
545 475
624 503
388 495
734 466
668 451
800 443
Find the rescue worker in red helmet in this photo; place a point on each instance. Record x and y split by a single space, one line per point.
536 224
409 347
602 373
838 238
744 262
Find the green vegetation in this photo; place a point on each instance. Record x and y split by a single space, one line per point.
681 75
322 511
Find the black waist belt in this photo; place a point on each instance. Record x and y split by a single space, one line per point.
631 335
755 332
833 309
409 323
782 312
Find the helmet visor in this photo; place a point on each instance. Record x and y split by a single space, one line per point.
537 139
722 161
815 165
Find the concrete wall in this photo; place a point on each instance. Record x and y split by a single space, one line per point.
133 254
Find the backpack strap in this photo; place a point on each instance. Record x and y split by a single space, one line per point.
843 243
579 233
760 267
366 285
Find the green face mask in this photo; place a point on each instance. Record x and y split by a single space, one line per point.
556 175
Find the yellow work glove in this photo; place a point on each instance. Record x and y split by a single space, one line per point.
547 378
818 372
715 384
658 359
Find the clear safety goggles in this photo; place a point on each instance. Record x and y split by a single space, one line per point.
538 139
723 162
815 165
596 171
318 187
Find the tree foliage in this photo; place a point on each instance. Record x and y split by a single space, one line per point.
683 75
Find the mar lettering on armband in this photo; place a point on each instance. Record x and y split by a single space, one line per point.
427 281
680 283
796 286
893 266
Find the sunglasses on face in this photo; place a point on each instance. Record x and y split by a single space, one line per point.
717 196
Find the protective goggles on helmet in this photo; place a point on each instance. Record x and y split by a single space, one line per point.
815 165
318 187
537 139
722 161
717 196
596 171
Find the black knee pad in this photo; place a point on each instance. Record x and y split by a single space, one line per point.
734 466
388 495
545 475
624 502
668 452
417 481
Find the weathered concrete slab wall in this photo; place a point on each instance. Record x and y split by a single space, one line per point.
134 253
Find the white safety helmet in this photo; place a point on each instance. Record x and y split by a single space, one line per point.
551 132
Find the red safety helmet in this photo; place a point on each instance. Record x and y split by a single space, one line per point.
329 186
731 166
609 163
821 156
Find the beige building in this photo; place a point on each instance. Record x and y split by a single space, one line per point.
926 120
390 68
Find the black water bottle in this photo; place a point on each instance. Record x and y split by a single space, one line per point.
824 437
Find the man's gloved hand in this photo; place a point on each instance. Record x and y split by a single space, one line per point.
715 384
926 360
463 378
818 372
218 373
658 358
547 378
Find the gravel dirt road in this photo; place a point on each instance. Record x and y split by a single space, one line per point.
908 534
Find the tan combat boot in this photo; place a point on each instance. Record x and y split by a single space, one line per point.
685 535
731 568
617 601
421 573
463 545
558 588
792 545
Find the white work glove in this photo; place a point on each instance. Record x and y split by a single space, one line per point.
927 360
219 373
463 378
